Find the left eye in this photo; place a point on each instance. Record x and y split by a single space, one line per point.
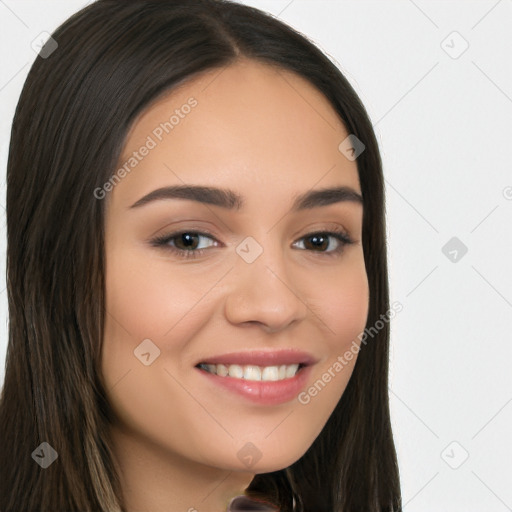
185 243
321 241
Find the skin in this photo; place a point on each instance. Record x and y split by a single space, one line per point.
269 135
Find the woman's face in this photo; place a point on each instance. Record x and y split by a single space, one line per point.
262 277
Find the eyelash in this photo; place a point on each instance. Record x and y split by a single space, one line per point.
162 242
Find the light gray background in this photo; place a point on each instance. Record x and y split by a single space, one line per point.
444 124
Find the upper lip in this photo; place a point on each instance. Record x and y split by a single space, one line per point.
262 358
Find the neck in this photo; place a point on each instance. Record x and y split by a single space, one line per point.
154 479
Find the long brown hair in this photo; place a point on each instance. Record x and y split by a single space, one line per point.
76 108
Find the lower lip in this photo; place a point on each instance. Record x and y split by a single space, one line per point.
263 392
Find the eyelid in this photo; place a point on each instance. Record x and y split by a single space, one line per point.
161 241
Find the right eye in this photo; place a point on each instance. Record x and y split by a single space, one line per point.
184 243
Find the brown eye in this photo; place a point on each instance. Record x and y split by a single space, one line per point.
186 241
183 243
320 241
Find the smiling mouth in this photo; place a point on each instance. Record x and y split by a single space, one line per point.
253 372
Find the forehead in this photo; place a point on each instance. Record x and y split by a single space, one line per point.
245 126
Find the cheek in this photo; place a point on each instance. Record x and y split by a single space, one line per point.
152 300
341 309
145 300
149 299
341 303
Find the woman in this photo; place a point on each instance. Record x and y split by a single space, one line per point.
145 372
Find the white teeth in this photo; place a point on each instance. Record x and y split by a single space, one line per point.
291 370
252 372
236 371
270 373
222 370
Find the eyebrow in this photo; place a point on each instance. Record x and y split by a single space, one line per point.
226 198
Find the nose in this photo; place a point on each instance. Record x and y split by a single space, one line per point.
262 293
